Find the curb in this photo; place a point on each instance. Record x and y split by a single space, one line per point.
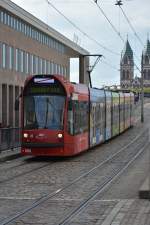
144 192
10 155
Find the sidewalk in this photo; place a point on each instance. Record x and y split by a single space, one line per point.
144 192
10 154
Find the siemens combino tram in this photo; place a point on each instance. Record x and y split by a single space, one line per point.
60 118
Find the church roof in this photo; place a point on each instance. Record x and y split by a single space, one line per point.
127 50
147 49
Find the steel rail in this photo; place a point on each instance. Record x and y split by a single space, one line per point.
24 173
102 188
51 195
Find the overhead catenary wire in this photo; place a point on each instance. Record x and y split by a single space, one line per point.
109 21
81 31
109 64
88 36
114 28
131 26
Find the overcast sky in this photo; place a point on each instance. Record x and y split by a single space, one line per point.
87 16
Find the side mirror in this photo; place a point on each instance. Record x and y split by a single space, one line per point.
17 104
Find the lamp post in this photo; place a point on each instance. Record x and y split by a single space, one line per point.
91 68
142 92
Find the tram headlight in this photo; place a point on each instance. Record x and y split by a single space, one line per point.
60 135
25 135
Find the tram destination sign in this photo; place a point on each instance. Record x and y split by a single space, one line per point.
43 89
44 80
46 90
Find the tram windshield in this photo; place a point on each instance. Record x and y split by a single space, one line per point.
44 112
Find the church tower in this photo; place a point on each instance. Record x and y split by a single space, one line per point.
126 66
146 65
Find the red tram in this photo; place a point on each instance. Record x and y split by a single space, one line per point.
60 118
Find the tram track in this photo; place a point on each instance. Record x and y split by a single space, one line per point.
26 164
23 174
10 178
116 172
20 174
102 188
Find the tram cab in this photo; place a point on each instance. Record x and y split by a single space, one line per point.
54 113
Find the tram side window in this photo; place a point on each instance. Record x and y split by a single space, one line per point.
80 117
77 117
70 118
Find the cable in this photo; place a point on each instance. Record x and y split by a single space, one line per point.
88 36
109 21
131 26
81 31
109 64
114 28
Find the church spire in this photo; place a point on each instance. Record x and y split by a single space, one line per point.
147 48
126 66
127 50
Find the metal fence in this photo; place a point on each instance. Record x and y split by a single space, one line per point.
10 138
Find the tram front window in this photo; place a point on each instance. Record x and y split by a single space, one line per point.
44 112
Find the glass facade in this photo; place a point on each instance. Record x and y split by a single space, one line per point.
30 31
24 62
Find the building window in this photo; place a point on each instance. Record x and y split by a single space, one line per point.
47 67
43 66
14 24
65 71
62 70
27 63
36 64
54 68
125 60
1 16
144 74
127 75
5 18
146 60
22 61
11 22
4 55
17 52
30 31
18 60
51 67
31 64
11 57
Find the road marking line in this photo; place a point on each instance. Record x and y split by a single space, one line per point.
18 198
109 219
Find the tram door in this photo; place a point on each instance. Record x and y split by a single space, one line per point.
97 117
108 115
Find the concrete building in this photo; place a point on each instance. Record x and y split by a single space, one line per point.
126 66
29 46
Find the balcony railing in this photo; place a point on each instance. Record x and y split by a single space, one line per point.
10 138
